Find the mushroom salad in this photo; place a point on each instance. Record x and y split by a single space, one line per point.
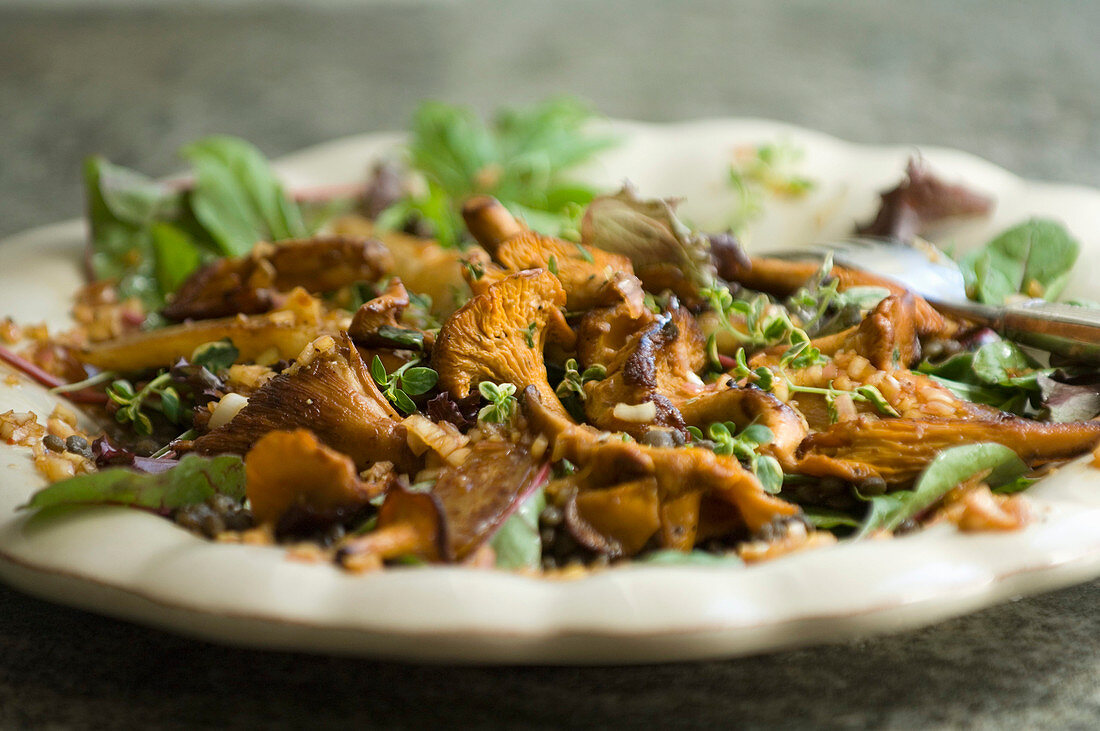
473 358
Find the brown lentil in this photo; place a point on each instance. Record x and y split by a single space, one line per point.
53 443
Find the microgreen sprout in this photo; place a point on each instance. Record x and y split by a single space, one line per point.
502 402
158 395
407 381
745 447
572 383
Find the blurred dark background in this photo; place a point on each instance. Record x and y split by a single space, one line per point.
1016 82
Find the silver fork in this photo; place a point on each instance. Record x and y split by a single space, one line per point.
1067 330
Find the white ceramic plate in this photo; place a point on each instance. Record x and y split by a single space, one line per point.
133 565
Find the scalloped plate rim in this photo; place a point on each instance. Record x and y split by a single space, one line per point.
725 624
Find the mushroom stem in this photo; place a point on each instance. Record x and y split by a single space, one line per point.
489 222
368 553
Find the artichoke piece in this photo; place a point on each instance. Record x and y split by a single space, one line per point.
292 468
251 284
330 392
898 449
282 333
499 336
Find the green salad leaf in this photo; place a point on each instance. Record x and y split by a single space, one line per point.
149 236
517 543
827 519
138 230
192 481
998 374
949 469
237 197
520 158
648 232
1033 259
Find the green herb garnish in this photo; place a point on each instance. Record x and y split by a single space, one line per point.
407 381
149 236
745 447
521 159
158 395
502 402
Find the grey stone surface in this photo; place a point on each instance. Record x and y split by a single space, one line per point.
1016 82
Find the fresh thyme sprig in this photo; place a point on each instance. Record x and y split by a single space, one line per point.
821 294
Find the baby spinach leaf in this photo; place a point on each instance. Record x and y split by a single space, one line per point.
998 374
517 543
237 197
192 481
1002 363
176 255
1033 258
148 236
122 207
828 519
1063 402
949 469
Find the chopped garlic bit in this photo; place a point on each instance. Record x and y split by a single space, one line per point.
444 439
643 413
229 406
20 428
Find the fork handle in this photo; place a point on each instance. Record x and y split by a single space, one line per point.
1067 330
